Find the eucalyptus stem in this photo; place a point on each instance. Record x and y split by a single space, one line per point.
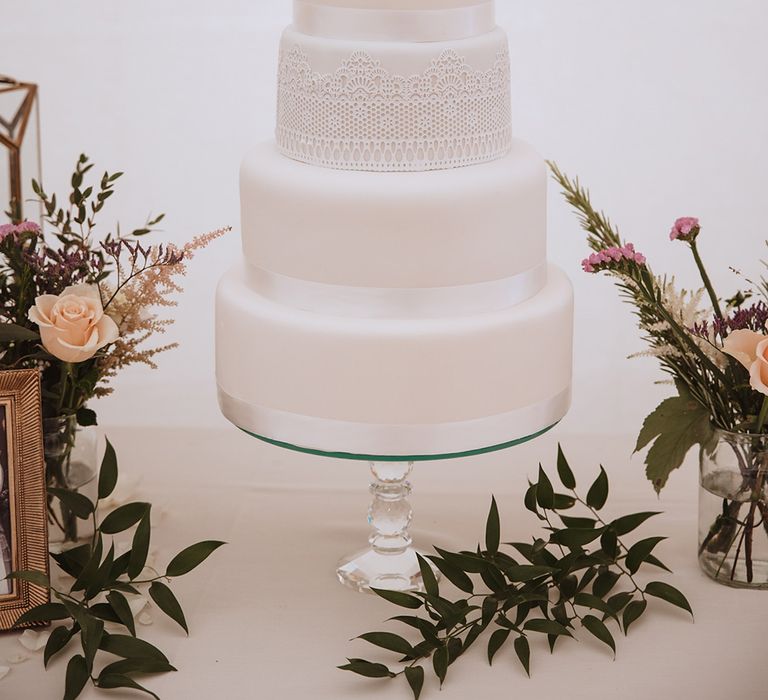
705 278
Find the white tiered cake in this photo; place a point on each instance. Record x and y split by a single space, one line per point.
394 299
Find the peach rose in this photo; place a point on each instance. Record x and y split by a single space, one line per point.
751 349
73 325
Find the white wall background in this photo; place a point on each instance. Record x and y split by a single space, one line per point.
660 106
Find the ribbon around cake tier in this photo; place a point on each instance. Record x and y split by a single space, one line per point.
370 302
421 26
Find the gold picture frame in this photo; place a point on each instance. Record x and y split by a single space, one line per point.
23 499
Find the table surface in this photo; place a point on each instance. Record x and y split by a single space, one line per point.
269 620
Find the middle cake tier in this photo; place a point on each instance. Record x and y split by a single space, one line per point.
444 228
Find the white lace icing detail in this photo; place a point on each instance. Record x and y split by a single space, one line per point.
364 118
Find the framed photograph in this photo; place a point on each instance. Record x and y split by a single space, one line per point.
23 502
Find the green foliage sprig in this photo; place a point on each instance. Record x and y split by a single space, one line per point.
581 573
97 595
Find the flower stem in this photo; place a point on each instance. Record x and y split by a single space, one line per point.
706 280
763 417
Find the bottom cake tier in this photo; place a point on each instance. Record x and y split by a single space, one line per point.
382 387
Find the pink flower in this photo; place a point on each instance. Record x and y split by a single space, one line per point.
685 229
613 259
14 229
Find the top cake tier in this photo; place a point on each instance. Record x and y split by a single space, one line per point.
394 85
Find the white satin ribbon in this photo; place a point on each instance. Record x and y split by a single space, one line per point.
333 436
394 25
374 302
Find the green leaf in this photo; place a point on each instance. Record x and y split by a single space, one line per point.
59 639
108 472
415 677
457 577
674 427
13 333
122 609
77 677
598 492
492 529
80 505
609 543
564 470
95 584
73 561
428 576
575 538
427 629
605 582
367 669
86 418
116 680
36 578
619 601
123 518
191 557
545 494
628 523
653 561
470 563
167 602
496 642
632 613
639 552
440 664
92 632
130 647
127 666
523 651
388 641
578 523
404 600
587 600
598 629
547 627
668 593
525 572
47 612
140 547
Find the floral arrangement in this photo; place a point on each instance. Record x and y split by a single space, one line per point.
82 307
717 359
580 573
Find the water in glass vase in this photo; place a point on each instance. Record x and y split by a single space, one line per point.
733 510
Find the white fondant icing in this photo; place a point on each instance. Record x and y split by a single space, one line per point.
403 230
389 371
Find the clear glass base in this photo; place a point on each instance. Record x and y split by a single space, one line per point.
732 572
392 572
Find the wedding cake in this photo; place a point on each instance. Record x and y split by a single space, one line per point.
394 298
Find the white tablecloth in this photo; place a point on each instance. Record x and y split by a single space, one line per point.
268 619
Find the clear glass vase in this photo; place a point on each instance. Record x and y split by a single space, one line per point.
71 453
733 510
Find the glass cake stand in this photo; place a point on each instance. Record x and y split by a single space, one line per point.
390 561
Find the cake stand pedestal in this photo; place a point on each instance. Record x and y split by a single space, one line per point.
390 562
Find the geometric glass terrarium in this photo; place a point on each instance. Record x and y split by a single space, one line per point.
19 147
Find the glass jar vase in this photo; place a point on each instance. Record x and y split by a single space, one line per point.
733 510
71 453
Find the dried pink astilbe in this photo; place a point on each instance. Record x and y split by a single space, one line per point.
142 291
